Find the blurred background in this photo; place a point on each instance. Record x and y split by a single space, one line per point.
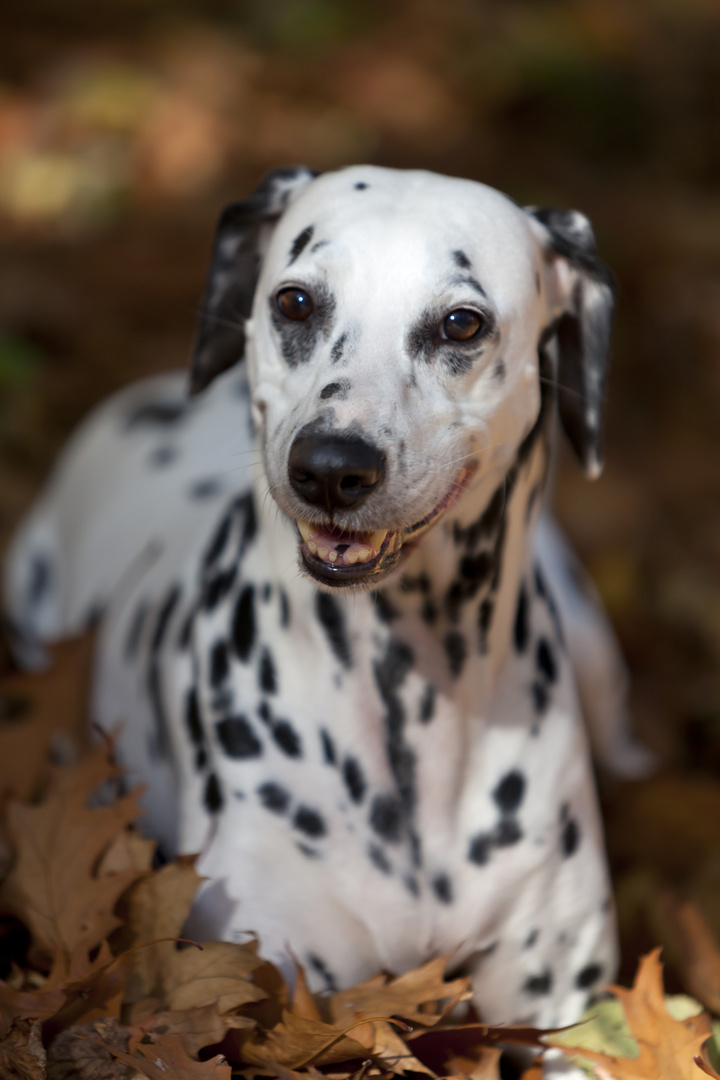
124 129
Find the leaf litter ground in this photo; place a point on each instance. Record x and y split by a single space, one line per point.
99 985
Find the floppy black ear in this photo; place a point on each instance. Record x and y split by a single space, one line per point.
585 296
241 235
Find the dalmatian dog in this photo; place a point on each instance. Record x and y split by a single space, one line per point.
339 636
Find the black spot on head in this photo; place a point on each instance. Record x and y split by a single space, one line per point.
217 587
442 887
336 353
193 720
461 260
386 817
361 185
507 833
319 965
137 623
287 738
510 791
201 759
284 609
570 838
237 738
379 859
219 663
267 676
243 627
427 704
328 748
163 456
205 489
335 389
213 797
40 578
309 822
480 848
521 630
332 619
545 660
456 650
266 592
354 779
300 243
300 339
540 696
499 371
265 713
588 976
274 797
219 541
539 985
162 414
309 852
531 938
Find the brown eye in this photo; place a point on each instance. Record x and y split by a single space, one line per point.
295 304
462 325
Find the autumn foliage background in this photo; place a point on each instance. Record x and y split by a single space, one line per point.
123 130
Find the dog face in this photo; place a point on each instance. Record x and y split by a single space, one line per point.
393 345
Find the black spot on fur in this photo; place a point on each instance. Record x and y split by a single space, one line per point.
217 588
219 663
531 938
420 583
265 713
219 541
287 738
354 779
588 976
205 489
545 660
162 457
309 822
193 721
328 748
390 673
300 242
332 619
40 578
442 887
427 704
309 852
266 592
570 838
510 791
335 389
386 817
267 675
274 797
161 414
461 260
507 833
361 185
284 609
539 985
243 628
499 371
480 848
237 738
383 608
429 611
213 797
165 614
541 697
319 965
456 650
485 614
521 630
487 523
137 624
336 353
379 859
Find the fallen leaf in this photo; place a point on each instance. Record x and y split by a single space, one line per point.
219 972
297 1042
303 1003
81 1052
166 1057
27 1005
22 1055
695 950
95 993
404 996
128 851
667 1047
199 1027
485 1068
53 886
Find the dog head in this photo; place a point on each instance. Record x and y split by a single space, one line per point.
394 323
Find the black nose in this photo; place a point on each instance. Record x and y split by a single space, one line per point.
334 472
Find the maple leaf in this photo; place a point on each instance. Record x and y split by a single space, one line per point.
53 886
218 973
165 1056
404 996
49 702
22 1055
667 1047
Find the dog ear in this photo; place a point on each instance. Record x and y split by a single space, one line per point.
242 234
583 303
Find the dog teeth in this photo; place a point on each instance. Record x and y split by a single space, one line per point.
332 556
312 546
376 538
305 529
351 557
323 553
364 554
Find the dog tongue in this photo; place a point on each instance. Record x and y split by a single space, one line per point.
341 548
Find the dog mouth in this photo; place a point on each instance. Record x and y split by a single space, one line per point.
347 557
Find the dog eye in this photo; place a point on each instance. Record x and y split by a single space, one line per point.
295 304
462 325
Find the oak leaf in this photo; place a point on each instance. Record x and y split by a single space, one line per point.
22 1055
81 1052
53 886
165 1056
199 1027
404 996
27 1005
667 1047
297 1042
220 972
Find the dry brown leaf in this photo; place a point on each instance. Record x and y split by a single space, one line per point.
81 1053
199 1027
695 951
53 887
166 1057
297 1042
48 702
403 996
22 1055
96 992
303 1003
155 909
485 1068
128 851
27 1005
219 972
390 1048
667 1047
